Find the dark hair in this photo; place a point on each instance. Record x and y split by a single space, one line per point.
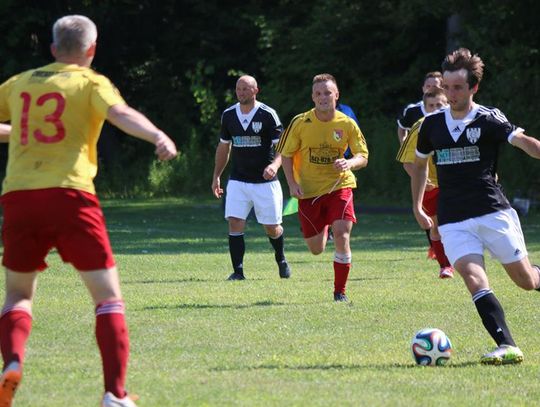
463 59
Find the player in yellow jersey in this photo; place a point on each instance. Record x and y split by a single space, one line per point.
48 198
433 100
312 149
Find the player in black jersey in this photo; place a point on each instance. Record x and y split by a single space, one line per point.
473 212
249 131
415 111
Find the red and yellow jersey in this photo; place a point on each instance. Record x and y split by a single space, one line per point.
56 113
314 145
407 153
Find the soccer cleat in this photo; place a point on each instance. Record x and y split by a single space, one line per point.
236 276
446 272
110 400
284 270
10 379
340 297
431 254
503 355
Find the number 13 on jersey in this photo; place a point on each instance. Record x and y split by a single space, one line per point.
57 103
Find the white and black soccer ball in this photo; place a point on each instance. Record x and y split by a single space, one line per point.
431 347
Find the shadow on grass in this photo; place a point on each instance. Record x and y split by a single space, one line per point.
337 366
217 306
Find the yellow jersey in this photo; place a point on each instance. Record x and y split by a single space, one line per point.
407 152
56 113
314 145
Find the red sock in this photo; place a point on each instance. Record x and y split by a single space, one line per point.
341 274
438 248
15 327
113 342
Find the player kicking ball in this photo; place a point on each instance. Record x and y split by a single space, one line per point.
473 212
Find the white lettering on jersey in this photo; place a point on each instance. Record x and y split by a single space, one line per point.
458 155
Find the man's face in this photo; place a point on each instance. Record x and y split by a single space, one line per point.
457 90
435 103
325 96
245 92
431 83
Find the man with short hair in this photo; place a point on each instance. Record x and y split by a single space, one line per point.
434 100
250 129
414 111
473 212
312 149
48 198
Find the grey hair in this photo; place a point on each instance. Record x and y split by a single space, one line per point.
74 34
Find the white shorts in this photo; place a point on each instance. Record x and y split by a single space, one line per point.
499 232
266 198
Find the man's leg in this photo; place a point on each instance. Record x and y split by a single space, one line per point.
275 235
15 327
523 274
237 247
342 257
471 268
111 329
446 270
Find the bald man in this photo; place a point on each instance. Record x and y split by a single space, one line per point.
249 131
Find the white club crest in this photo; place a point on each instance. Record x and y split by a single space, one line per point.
256 126
473 134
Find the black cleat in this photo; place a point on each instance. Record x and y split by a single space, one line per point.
236 276
284 270
340 297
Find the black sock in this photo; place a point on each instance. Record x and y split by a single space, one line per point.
428 234
537 269
277 244
237 248
492 315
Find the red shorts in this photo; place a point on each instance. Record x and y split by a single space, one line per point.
35 221
429 202
316 213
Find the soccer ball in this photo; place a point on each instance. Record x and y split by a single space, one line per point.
431 347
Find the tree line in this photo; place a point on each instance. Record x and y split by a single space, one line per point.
177 61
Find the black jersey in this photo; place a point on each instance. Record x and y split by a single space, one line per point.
411 114
253 136
465 153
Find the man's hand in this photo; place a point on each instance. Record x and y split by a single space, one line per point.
295 190
270 171
216 187
423 220
165 147
342 164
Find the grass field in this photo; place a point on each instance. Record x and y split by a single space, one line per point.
198 340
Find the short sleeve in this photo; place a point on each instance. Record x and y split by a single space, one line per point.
104 95
289 142
423 144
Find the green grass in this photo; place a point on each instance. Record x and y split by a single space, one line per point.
197 340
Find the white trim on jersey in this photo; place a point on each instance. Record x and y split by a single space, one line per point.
245 118
272 112
456 127
494 112
513 134
422 155
225 141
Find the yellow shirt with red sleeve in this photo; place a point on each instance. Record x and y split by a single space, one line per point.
407 153
56 113
314 145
